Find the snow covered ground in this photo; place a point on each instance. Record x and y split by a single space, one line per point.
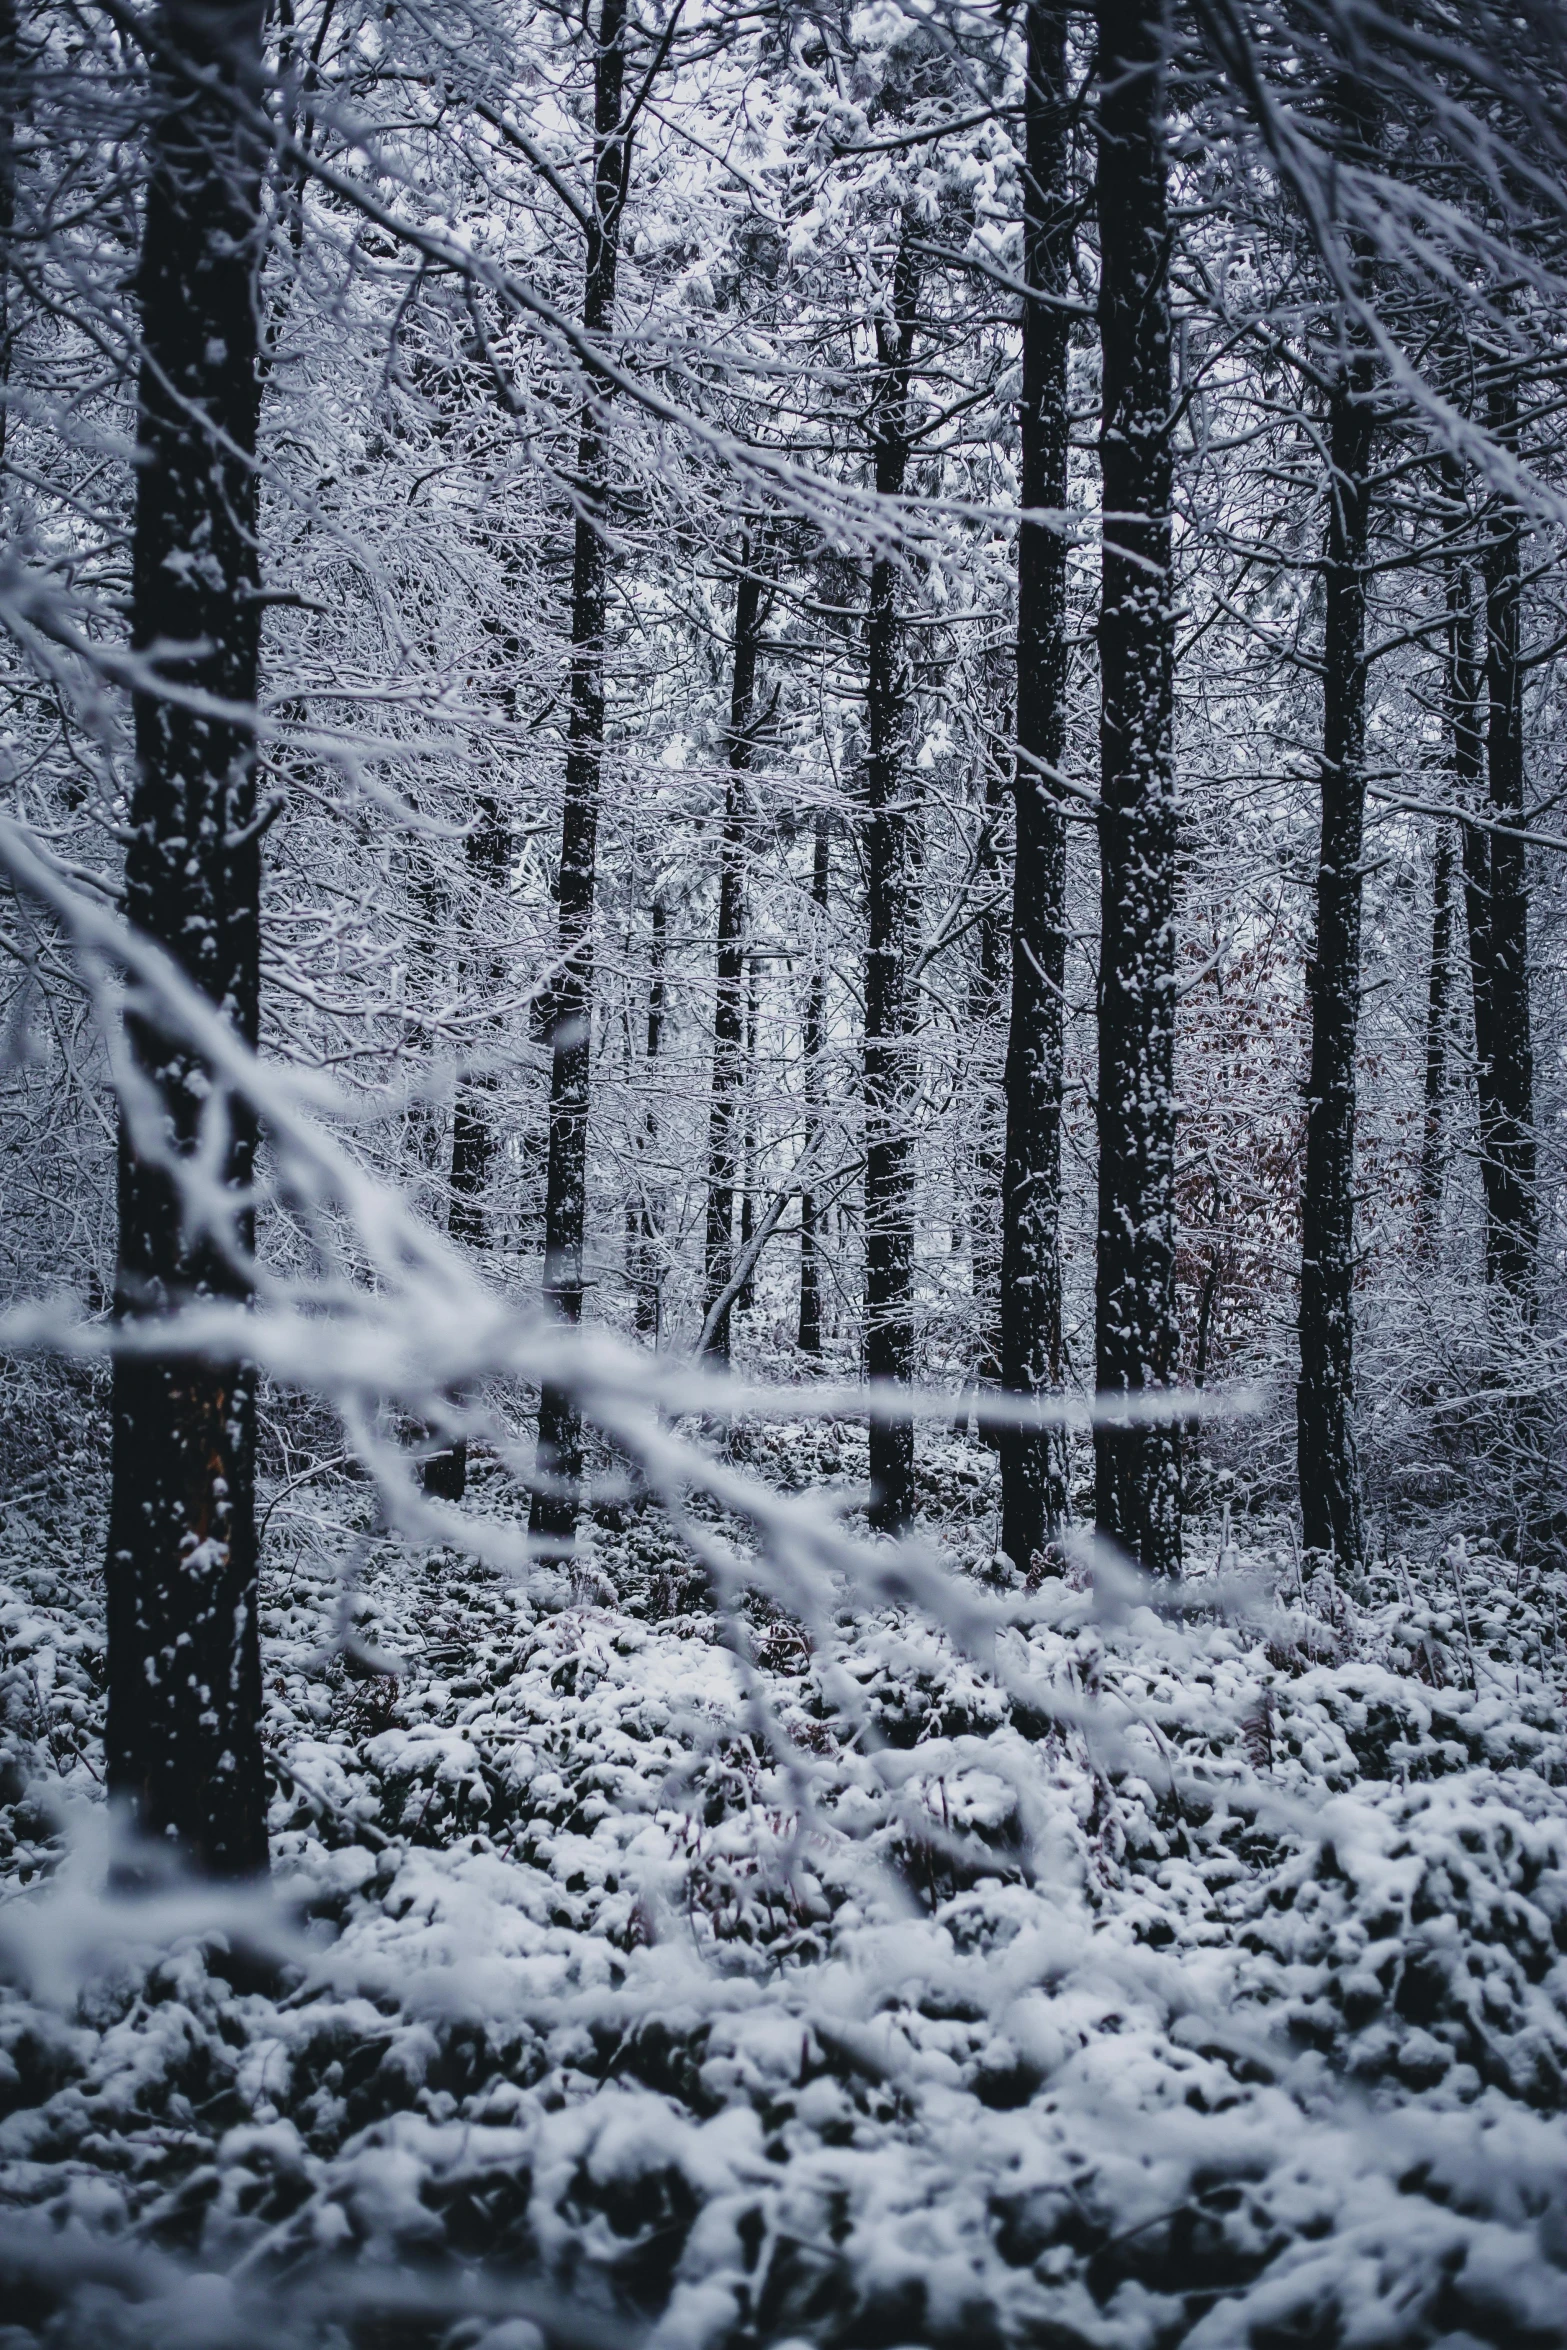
836 1995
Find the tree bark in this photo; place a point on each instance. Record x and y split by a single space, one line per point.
1137 1467
1468 757
1329 1469
1512 1222
1433 1155
1033 1485
10 105
745 1297
723 1129
889 1007
473 1113
557 1494
982 1135
488 849
809 1334
647 1214
183 1737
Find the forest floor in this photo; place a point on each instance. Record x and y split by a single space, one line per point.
1242 2024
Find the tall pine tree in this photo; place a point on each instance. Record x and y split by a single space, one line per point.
183 1737
557 1494
1032 1484
1137 1480
889 999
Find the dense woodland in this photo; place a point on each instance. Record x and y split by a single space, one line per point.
783 1173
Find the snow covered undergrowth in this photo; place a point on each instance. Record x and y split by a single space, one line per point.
1237 2017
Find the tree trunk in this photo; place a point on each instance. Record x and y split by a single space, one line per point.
1137 1466
10 105
980 1139
557 1495
1033 1485
1433 1155
1512 1220
745 1299
723 1130
889 1008
183 1737
646 1237
1208 1298
1468 756
1329 1471
809 1334
445 1473
473 1117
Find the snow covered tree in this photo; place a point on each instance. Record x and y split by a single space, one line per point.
1137 1483
1034 1497
891 846
1329 1470
184 1725
729 1072
555 1501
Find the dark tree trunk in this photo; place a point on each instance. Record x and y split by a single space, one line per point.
473 1150
425 1122
647 1216
1137 1464
1433 1154
1512 1219
889 1003
1033 1486
1208 1298
1329 1471
557 1496
445 1473
184 1723
724 1118
980 1141
1468 756
745 1299
809 1335
10 105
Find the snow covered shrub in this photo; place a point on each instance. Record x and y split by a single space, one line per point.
1228 2009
